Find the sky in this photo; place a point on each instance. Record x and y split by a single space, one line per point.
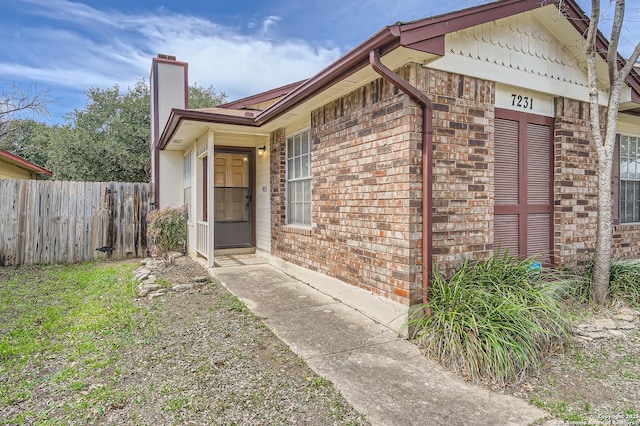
240 47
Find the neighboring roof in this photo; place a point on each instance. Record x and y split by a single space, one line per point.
226 111
18 161
252 100
425 35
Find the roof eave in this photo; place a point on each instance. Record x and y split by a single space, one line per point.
264 96
386 39
580 22
425 35
23 163
177 116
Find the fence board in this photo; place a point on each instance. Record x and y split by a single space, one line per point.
47 222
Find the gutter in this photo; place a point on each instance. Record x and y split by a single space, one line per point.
427 165
387 39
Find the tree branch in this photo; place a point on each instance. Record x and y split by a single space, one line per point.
14 100
614 41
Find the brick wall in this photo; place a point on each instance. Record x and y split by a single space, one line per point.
576 191
367 183
463 120
575 183
366 194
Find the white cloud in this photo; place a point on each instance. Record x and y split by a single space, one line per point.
77 46
269 21
102 48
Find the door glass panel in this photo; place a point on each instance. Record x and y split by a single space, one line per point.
232 193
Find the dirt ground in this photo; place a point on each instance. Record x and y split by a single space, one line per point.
592 382
199 357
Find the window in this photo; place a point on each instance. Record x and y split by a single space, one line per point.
629 179
186 170
299 179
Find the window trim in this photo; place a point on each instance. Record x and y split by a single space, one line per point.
621 179
187 184
288 180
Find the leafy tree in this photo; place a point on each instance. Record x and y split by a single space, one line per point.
29 139
605 145
204 97
108 140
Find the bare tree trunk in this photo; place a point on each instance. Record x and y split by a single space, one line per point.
600 279
603 252
605 148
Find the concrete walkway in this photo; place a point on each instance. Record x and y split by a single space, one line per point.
381 375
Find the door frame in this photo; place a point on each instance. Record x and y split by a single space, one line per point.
523 208
252 183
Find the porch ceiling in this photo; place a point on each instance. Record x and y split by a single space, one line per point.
188 130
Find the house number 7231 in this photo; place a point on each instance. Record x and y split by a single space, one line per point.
524 102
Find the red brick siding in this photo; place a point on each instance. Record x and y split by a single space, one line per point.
366 194
367 184
463 120
576 188
575 183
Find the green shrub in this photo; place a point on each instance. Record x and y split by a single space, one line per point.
624 280
167 230
493 320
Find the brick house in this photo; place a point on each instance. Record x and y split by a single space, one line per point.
325 177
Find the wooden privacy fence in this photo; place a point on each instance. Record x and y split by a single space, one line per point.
51 222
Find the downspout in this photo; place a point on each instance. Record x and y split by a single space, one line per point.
427 163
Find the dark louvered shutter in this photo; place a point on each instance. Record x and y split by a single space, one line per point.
538 165
506 233
539 204
523 221
507 170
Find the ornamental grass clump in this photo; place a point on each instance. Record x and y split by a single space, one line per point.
494 320
167 230
624 281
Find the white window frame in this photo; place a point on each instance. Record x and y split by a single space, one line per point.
187 182
298 180
629 178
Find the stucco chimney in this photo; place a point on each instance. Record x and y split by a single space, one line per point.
169 89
